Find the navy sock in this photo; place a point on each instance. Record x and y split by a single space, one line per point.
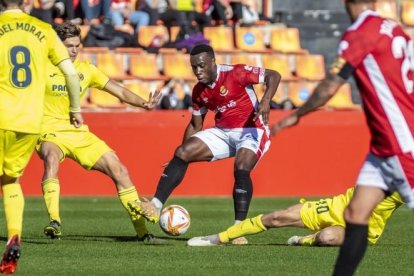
352 250
242 193
171 178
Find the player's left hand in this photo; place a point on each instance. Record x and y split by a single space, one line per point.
264 110
152 100
76 119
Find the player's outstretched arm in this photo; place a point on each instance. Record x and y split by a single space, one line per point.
72 83
195 125
321 95
272 80
127 96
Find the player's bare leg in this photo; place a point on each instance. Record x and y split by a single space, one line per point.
356 215
329 236
51 155
110 165
280 218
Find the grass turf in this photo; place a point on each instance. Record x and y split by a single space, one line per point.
98 240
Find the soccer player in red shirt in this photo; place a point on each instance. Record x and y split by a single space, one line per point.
381 56
240 129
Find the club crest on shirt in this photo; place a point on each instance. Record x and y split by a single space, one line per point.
223 91
81 76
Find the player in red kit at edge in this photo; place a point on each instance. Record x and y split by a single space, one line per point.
381 56
240 130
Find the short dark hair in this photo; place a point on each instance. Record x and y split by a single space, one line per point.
202 48
67 30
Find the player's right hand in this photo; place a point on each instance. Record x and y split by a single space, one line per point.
288 121
76 119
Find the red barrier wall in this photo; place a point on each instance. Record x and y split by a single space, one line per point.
320 156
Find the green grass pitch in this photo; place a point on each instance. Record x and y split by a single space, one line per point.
98 240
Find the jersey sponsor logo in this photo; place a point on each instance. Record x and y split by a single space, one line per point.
337 65
52 75
58 87
224 107
223 91
248 68
205 100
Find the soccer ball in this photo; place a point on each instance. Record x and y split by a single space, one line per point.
174 220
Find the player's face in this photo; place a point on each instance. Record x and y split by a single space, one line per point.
72 44
204 68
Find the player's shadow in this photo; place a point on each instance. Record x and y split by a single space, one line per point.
107 238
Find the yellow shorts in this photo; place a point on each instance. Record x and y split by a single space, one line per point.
83 147
15 151
317 215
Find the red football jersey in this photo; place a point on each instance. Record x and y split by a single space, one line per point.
231 96
382 55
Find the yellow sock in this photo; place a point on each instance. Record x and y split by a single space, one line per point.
13 201
244 228
309 240
126 196
51 194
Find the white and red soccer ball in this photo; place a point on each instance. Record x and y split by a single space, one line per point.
174 220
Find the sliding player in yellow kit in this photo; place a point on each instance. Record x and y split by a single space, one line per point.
60 140
323 217
26 45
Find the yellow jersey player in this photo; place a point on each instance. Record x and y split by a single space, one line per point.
323 217
26 45
60 140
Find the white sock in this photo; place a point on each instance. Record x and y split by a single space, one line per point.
237 221
214 239
157 203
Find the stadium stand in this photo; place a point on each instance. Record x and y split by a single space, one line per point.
176 65
300 91
145 66
113 64
251 39
153 36
280 63
310 67
286 40
221 38
407 12
249 59
342 99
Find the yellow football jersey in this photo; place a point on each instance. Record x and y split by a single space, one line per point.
26 45
56 113
323 213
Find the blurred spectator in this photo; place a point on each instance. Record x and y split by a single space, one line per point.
122 10
250 14
170 95
219 10
95 9
188 7
41 9
163 10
